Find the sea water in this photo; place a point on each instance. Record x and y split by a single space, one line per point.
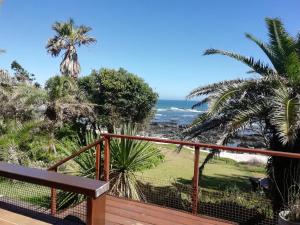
177 111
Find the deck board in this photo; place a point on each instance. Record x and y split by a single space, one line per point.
11 218
118 212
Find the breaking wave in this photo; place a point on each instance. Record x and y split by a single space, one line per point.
175 109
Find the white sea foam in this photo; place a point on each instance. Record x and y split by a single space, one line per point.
161 110
188 115
179 110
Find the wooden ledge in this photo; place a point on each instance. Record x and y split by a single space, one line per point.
81 185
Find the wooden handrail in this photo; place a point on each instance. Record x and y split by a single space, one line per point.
81 185
107 136
83 149
197 146
210 146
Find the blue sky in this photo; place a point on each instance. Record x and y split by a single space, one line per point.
160 40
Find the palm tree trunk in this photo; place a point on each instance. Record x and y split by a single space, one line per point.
209 157
283 173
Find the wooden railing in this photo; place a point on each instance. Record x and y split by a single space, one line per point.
106 137
94 190
97 145
197 146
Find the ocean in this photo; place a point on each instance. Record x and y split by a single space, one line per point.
177 111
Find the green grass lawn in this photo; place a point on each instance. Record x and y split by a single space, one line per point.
219 174
35 194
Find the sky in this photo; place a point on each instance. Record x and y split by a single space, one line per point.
161 41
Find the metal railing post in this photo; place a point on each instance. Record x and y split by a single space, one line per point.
195 181
98 161
54 199
106 158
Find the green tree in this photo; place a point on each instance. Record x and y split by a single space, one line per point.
21 74
122 97
270 100
68 37
20 101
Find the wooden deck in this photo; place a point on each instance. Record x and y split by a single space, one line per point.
12 218
118 212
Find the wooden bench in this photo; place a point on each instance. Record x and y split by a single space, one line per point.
94 189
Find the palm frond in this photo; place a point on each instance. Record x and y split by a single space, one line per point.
204 123
285 115
212 88
84 29
258 66
280 41
265 48
201 103
85 40
221 98
244 118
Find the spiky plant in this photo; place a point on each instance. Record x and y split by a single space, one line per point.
270 100
127 158
68 37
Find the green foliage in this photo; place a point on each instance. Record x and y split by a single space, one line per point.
83 166
270 100
60 87
66 102
233 100
25 144
21 74
20 100
127 157
122 97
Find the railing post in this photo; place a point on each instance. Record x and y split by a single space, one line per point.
195 181
106 158
98 161
53 199
95 211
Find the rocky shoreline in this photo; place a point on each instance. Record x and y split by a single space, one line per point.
171 130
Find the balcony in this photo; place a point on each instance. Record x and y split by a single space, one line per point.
34 196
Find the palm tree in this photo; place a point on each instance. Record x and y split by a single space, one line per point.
270 100
65 103
68 37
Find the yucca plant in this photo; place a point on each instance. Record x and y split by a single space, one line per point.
127 158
